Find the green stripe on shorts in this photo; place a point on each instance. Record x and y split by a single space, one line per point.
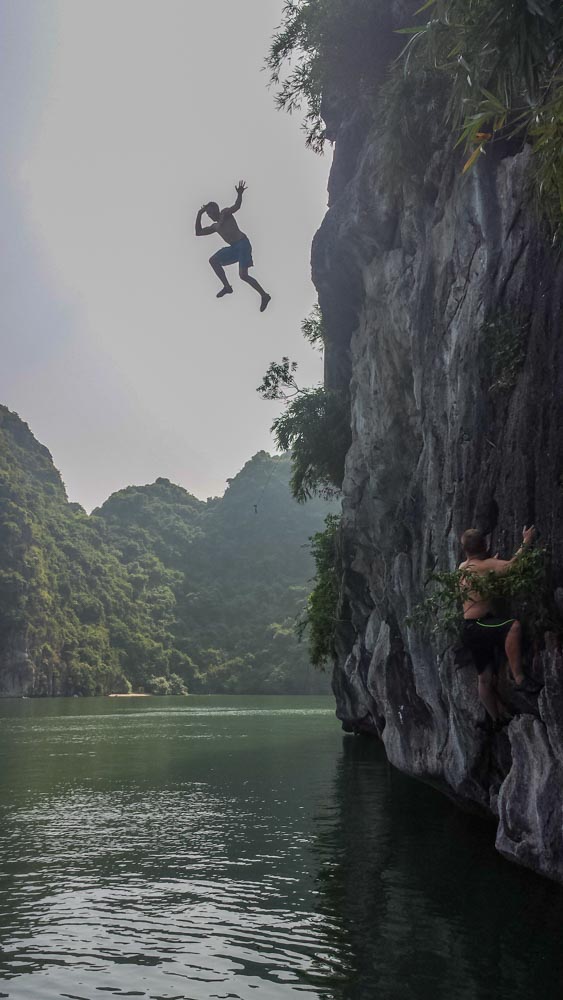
498 625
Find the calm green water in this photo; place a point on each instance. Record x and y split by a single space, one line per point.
242 848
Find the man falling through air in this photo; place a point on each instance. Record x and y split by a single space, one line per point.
238 250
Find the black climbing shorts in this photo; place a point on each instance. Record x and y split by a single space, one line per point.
482 636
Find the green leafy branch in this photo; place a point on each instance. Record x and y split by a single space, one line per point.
319 618
315 424
525 583
504 63
279 381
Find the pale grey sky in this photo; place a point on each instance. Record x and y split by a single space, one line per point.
119 119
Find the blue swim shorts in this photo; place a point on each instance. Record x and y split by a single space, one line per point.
239 252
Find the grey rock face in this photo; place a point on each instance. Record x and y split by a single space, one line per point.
445 436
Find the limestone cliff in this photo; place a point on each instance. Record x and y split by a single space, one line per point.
442 305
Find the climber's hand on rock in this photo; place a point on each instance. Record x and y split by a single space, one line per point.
528 535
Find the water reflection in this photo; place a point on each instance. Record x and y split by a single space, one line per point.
425 909
138 860
239 848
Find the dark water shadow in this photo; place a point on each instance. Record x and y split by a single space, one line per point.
421 905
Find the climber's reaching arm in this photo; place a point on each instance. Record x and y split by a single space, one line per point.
503 565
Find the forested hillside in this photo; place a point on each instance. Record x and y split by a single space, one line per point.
155 590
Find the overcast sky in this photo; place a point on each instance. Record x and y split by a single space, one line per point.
119 118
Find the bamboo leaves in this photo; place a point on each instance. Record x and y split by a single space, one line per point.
503 62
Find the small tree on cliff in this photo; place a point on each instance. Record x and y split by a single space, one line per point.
320 616
330 41
315 427
487 70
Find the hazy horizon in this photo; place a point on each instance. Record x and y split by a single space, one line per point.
119 122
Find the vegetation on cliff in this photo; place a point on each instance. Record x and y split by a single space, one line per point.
320 616
331 45
503 65
156 589
314 427
524 591
487 71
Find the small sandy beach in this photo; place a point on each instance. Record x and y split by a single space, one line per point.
128 695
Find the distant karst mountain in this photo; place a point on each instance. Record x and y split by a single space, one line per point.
155 590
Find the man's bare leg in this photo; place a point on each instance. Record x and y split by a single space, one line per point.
487 694
244 276
220 272
513 650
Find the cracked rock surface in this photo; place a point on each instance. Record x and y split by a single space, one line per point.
414 288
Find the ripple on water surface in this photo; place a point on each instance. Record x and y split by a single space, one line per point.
123 877
238 848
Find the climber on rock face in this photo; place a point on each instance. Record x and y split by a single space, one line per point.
238 250
483 631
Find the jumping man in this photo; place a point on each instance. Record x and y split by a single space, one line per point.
238 250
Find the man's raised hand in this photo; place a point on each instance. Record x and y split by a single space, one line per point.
528 535
240 189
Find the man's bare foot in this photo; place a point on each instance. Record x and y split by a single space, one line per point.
265 300
227 290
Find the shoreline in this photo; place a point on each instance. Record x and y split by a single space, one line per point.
128 696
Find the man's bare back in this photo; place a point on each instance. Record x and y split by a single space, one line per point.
474 604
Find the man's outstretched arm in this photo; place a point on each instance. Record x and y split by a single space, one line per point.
240 189
202 230
503 565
